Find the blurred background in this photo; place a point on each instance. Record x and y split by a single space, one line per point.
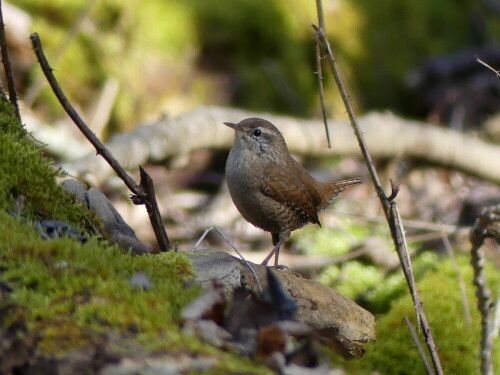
125 63
413 58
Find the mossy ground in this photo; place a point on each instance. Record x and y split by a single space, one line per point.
71 293
394 352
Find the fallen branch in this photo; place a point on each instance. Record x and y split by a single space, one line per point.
487 225
143 193
202 129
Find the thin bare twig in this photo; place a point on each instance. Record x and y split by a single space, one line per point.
389 206
487 225
419 346
394 191
404 258
461 283
140 195
497 72
8 68
320 84
153 211
232 247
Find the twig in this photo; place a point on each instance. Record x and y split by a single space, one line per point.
141 196
394 191
404 258
232 247
419 346
8 68
153 211
320 83
461 284
497 72
390 207
487 225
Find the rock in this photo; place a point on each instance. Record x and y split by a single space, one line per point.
342 324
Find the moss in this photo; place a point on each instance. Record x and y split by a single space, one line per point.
73 295
394 351
25 172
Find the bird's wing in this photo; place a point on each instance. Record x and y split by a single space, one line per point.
283 186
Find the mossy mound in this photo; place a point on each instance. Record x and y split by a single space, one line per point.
394 352
72 295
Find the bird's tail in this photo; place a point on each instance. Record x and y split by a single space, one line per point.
335 188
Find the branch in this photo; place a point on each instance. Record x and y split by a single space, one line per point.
389 206
487 225
320 84
497 73
144 193
8 68
177 137
419 346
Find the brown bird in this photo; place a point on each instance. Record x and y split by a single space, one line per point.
269 187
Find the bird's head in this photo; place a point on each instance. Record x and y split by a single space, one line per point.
258 136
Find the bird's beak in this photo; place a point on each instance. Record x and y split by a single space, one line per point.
232 125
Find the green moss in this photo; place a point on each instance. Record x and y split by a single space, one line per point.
75 295
394 352
72 289
25 172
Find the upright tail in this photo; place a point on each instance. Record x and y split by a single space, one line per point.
333 189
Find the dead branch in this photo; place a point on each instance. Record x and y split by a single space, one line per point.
202 128
143 193
389 205
487 225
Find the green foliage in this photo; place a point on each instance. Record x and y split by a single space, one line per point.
394 352
389 38
262 44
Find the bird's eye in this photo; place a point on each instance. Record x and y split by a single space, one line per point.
257 132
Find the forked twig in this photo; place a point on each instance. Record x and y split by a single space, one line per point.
144 193
389 206
419 346
8 68
232 247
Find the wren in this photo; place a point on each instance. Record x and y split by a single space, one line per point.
269 187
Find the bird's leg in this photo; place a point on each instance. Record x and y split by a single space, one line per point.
278 240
